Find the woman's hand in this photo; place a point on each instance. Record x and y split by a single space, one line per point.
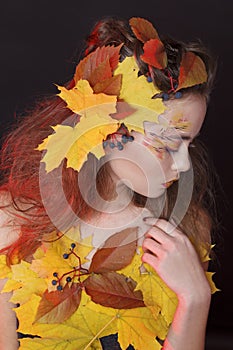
174 258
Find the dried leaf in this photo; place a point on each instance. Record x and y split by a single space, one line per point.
192 71
58 306
113 290
143 29
110 86
154 54
87 66
102 72
117 252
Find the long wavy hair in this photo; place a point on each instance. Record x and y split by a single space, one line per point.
22 170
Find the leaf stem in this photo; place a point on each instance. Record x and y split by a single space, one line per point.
97 335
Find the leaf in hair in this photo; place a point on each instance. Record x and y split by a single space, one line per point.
114 290
192 71
58 306
117 252
110 86
88 65
81 98
154 54
143 29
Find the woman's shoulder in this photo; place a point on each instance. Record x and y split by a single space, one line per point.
9 230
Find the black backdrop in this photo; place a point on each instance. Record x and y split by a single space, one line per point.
39 40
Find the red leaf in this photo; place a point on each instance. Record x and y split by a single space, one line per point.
87 66
117 252
110 86
192 71
154 54
143 29
100 73
113 290
56 307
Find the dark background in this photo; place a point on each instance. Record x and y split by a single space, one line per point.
39 41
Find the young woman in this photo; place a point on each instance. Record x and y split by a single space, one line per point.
106 202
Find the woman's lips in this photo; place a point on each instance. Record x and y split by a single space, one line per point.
169 183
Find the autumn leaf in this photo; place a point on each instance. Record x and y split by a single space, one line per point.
138 93
101 73
5 271
154 54
24 282
135 326
192 71
143 29
113 290
81 98
75 143
86 68
57 306
110 86
80 331
117 252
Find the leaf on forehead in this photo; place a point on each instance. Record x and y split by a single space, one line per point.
192 71
87 66
58 306
154 54
143 29
113 290
117 252
110 86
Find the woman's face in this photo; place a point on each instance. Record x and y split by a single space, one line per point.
155 159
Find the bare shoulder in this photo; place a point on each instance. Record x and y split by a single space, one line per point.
9 231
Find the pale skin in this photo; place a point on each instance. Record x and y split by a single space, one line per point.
165 248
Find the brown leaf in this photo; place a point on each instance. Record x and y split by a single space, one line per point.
117 252
123 110
154 54
192 71
113 290
110 86
100 73
56 307
87 66
143 29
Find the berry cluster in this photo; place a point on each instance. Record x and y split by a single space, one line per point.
77 271
112 141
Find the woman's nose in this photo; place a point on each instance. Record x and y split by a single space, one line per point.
181 159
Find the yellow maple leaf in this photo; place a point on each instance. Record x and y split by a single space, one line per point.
134 326
75 143
81 98
5 271
81 331
24 282
139 94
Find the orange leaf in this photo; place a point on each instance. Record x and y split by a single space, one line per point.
113 290
100 73
143 29
110 86
192 71
154 54
86 66
117 252
56 307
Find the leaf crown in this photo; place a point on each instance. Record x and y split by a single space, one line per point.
107 92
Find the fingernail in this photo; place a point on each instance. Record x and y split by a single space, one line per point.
148 218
